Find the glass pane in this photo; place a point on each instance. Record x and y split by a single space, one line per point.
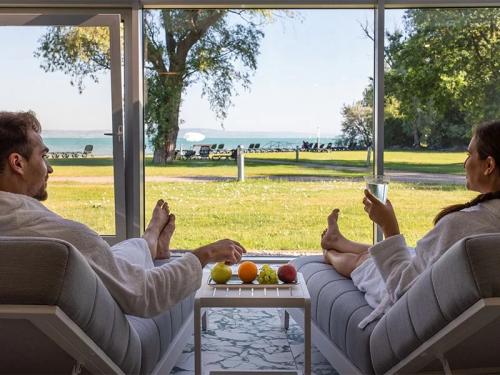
73 123
274 82
440 82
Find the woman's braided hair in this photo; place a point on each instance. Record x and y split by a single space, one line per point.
488 144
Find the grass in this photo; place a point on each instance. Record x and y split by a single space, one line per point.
257 166
262 214
102 167
407 161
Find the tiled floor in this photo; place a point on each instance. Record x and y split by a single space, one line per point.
250 339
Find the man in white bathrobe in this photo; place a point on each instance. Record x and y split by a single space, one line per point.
127 268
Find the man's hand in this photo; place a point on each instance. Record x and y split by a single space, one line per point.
381 214
228 251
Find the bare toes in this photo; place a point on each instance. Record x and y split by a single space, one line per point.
171 222
334 216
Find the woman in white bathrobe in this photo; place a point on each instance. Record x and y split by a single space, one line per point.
386 270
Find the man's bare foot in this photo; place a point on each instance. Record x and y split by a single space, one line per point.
158 221
331 235
166 234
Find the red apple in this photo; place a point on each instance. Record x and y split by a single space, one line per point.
287 273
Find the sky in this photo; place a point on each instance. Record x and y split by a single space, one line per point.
309 66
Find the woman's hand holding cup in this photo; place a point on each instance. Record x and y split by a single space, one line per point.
381 214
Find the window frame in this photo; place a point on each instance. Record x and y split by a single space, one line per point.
131 12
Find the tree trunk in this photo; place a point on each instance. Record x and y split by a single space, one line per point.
416 124
416 136
166 153
169 129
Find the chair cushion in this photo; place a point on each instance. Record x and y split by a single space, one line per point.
45 271
156 334
467 272
337 307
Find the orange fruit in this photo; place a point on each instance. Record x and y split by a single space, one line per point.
247 271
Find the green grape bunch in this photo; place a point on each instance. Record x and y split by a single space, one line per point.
267 275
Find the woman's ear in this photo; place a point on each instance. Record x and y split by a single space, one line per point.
490 166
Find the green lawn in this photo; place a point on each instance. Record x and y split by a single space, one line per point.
265 214
261 214
410 161
256 166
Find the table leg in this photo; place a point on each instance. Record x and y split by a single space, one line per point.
204 320
197 337
285 319
307 337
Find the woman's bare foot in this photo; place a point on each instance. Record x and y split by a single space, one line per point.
331 235
166 234
158 221
332 239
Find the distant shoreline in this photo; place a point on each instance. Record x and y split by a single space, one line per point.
103 145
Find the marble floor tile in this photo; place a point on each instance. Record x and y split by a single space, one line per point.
250 339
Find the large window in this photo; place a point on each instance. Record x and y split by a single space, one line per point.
272 81
56 72
294 87
440 82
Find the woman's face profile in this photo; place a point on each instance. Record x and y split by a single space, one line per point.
476 178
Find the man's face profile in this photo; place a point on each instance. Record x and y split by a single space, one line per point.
37 168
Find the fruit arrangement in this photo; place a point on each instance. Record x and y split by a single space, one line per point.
248 272
267 275
287 273
221 273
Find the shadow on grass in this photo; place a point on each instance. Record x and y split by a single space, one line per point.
318 166
82 162
444 168
194 163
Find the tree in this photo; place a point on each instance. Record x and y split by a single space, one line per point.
357 125
217 48
445 79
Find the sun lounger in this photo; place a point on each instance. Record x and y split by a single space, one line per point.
226 155
87 151
449 320
204 152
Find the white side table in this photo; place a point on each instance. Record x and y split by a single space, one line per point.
284 296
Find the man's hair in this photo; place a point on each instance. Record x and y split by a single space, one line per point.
14 130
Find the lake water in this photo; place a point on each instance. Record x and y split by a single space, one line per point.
103 145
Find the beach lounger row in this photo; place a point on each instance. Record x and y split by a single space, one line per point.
87 152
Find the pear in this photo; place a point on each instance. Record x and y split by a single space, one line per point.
221 273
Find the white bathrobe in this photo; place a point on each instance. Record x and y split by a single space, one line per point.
127 272
393 267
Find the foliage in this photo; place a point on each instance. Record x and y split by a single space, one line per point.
79 52
444 79
357 125
439 79
216 48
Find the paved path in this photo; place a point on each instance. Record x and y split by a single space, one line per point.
410 177
436 178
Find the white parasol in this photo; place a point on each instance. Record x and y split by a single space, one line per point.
194 137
